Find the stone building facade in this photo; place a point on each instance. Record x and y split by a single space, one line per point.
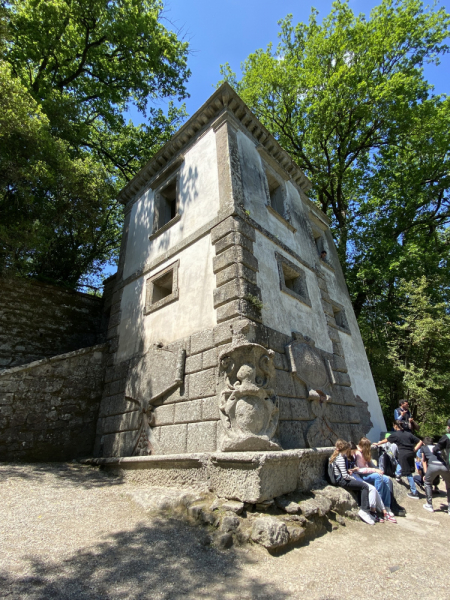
227 330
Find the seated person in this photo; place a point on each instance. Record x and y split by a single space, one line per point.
339 460
374 476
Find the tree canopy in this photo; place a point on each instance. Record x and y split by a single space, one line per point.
70 68
347 98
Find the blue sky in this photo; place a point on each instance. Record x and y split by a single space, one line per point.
229 30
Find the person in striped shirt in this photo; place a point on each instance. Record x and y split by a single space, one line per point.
345 480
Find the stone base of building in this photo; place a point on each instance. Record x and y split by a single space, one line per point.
246 476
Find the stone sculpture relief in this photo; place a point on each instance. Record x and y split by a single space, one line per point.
310 367
152 376
248 406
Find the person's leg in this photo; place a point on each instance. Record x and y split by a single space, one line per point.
359 485
412 485
385 492
446 477
430 476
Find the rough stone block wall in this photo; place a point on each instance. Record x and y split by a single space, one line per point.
188 419
39 320
49 408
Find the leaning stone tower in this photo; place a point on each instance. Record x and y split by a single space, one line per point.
228 331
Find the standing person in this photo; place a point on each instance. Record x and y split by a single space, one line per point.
403 414
407 445
443 445
434 464
339 461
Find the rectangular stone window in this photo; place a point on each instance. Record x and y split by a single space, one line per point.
276 196
276 192
161 288
340 317
292 279
166 205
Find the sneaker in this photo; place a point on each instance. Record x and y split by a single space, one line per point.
390 517
401 512
413 496
379 519
366 517
398 478
428 507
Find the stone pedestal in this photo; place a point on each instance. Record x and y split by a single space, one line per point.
246 476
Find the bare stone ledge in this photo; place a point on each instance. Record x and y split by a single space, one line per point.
245 476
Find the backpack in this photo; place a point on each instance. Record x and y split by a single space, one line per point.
330 473
387 461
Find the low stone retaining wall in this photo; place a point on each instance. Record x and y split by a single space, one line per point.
49 408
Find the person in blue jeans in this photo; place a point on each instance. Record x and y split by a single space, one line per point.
370 474
407 445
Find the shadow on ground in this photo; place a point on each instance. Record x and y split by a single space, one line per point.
164 560
72 473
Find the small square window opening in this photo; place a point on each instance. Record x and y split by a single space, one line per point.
340 318
292 279
162 287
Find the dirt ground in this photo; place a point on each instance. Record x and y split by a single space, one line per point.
70 532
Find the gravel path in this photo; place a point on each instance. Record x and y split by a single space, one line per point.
68 531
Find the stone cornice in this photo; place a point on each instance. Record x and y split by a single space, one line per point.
223 100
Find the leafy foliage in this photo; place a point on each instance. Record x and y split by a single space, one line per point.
71 68
348 100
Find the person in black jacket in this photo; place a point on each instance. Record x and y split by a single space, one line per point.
407 445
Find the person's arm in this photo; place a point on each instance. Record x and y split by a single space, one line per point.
418 445
424 463
381 442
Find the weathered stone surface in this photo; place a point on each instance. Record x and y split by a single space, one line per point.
172 439
210 409
296 532
253 477
309 365
223 333
202 384
232 224
312 467
270 532
235 254
233 506
292 434
201 341
229 523
233 239
285 384
319 505
237 288
202 437
49 408
39 320
364 416
234 271
287 505
340 499
248 407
